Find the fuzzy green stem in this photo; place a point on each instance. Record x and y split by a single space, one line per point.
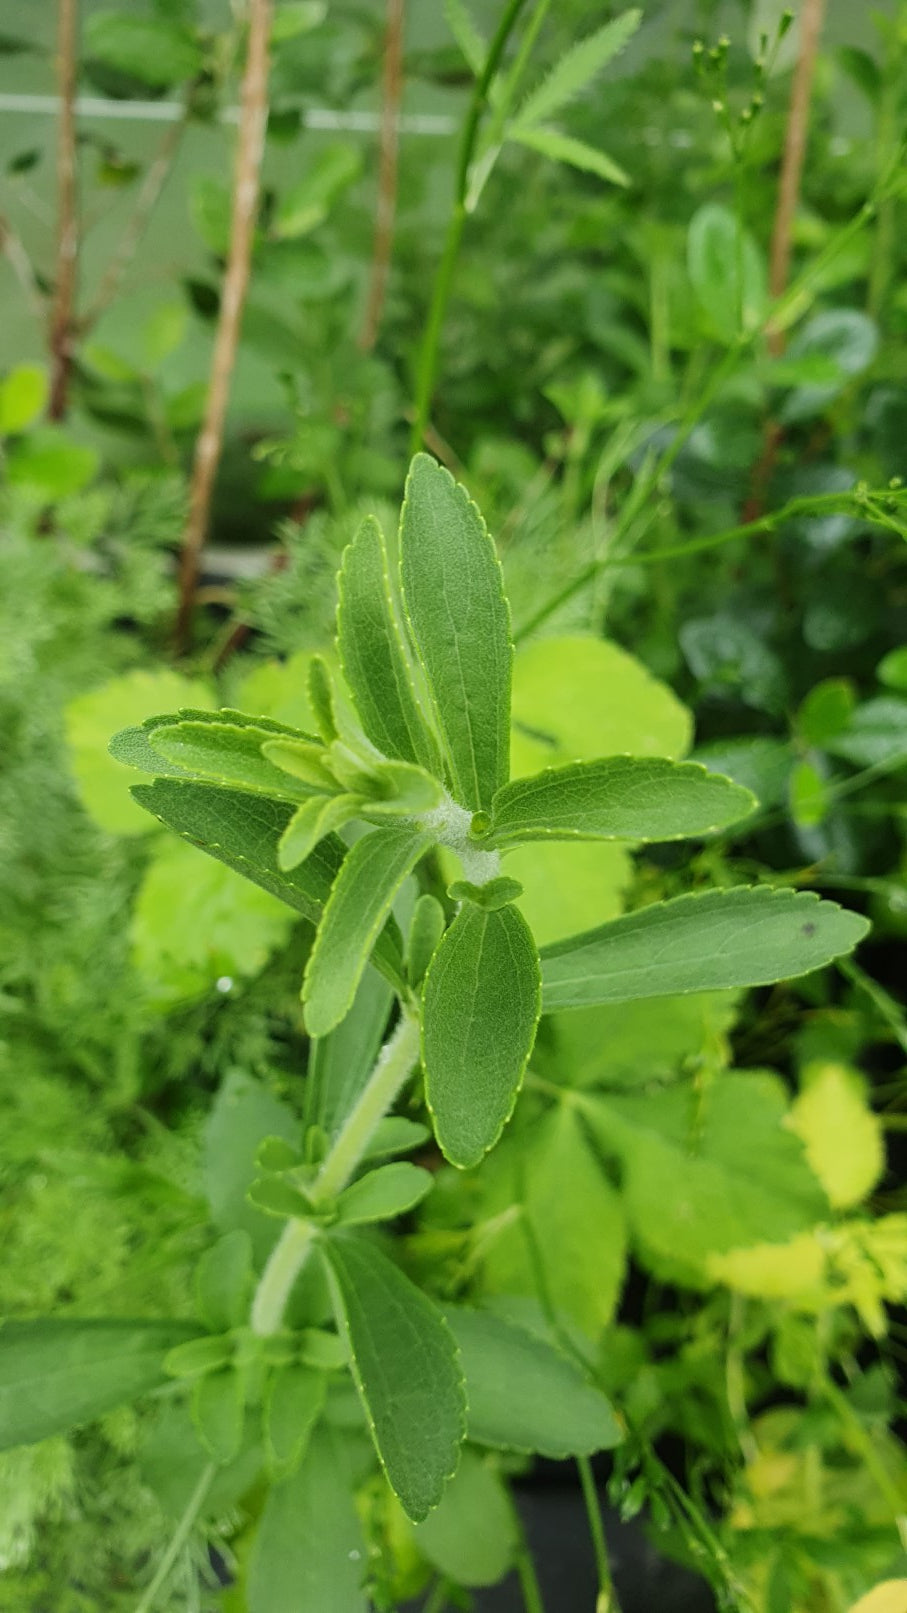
178 1540
294 1246
428 352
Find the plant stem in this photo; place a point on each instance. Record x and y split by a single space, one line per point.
131 239
389 140
67 254
246 185
428 352
529 1582
607 1596
180 1536
393 1066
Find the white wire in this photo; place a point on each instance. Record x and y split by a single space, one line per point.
95 106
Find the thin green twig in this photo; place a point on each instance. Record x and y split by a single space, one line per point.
607 1596
178 1540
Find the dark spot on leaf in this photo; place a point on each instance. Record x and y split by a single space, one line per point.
809 929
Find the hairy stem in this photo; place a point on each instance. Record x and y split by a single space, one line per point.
178 1540
60 337
253 121
393 1067
428 353
131 239
389 146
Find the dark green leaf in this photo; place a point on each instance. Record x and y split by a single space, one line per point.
523 1395
404 1361
56 1374
480 1011
739 937
454 599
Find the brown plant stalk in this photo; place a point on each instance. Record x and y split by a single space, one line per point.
812 16
60 335
253 121
389 146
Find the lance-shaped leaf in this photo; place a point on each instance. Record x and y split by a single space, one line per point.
384 1193
372 653
454 599
55 1374
244 832
134 748
309 1554
739 937
404 1361
311 822
340 1064
523 1395
578 67
562 147
229 754
357 908
617 798
480 1010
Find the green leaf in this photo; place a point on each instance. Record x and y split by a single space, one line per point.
218 1402
152 49
275 1197
294 1402
404 1361
739 937
302 759
197 1356
48 465
354 915
384 1193
493 894
372 654
480 1011
243 1114
396 1135
844 1140
727 270
244 831
708 1170
644 1040
309 1555
23 398
562 147
311 822
454 600
466 34
56 1374
849 338
877 732
826 710
425 931
228 753
307 203
91 718
618 798
340 1063
523 1395
572 1243
578 67
224 1281
472 1534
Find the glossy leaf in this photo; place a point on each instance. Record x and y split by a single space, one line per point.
523 1395
617 798
372 653
55 1374
309 1554
294 1402
354 916
454 600
739 937
384 1193
480 1011
404 1361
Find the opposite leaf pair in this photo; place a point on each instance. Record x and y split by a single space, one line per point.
416 750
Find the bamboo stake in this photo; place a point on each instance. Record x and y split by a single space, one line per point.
60 336
246 188
389 141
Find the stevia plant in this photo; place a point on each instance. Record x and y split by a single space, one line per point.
388 828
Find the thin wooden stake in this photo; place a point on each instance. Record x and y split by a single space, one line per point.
392 93
253 122
60 336
812 15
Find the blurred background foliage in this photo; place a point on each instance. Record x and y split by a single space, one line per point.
150 1027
